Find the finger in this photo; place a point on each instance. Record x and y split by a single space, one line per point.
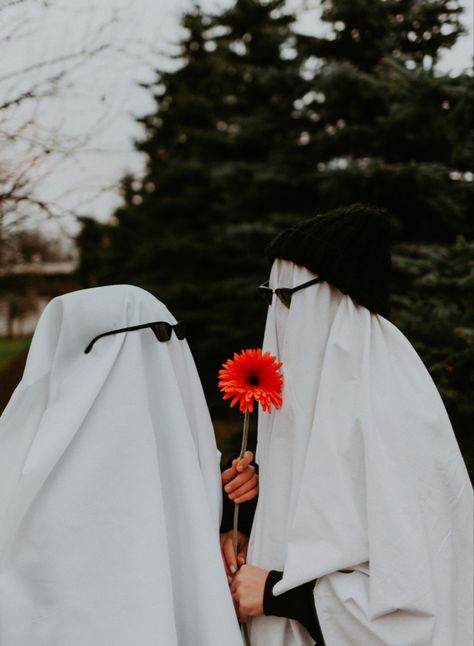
240 479
228 551
229 474
236 608
242 541
242 549
226 567
233 589
244 462
244 487
234 600
224 560
250 495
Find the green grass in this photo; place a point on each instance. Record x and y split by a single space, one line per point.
9 348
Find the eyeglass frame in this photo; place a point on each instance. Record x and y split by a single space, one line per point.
179 330
281 292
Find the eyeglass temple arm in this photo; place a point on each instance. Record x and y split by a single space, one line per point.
122 329
310 282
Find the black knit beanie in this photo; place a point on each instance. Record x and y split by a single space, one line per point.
348 247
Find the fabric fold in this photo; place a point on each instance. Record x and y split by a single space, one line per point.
110 490
360 471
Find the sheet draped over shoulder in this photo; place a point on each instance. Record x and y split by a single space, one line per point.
362 485
110 489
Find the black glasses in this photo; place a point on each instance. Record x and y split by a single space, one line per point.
284 293
161 329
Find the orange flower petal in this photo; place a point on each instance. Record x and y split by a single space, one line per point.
252 376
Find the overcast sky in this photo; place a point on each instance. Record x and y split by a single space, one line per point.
105 96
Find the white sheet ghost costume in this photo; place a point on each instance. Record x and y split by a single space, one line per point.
362 485
110 487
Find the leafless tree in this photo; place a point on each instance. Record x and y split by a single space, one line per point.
33 146
30 149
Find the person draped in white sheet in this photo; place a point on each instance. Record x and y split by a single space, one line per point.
110 488
363 530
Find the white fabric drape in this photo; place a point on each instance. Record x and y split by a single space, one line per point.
359 471
110 487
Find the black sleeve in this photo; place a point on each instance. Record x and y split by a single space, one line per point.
297 603
246 511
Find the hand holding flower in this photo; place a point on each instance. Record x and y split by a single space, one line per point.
241 480
231 561
248 587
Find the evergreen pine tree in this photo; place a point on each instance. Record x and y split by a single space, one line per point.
365 31
389 129
434 306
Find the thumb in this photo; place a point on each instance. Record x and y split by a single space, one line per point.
244 462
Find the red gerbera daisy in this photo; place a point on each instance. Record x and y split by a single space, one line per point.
252 376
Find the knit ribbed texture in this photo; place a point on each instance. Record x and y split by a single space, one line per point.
348 247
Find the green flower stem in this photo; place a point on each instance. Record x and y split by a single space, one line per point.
245 633
243 448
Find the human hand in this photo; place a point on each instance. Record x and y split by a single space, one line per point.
231 561
240 480
248 587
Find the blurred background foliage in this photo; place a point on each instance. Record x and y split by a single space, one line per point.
260 127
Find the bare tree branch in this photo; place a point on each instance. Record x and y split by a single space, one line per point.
32 151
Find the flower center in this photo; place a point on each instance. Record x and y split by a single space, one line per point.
253 380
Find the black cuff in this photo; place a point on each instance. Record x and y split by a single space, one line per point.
297 604
277 606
